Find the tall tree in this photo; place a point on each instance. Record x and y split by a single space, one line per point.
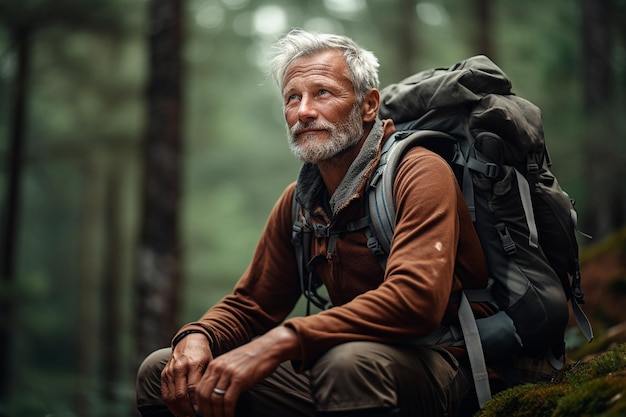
407 38
484 34
597 44
24 20
159 272
112 286
88 346
604 161
21 38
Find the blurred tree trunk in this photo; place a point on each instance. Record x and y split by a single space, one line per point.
597 44
159 260
113 284
21 38
407 39
89 285
604 161
483 44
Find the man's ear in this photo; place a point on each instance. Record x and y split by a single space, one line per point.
369 108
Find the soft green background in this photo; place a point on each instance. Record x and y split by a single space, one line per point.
86 119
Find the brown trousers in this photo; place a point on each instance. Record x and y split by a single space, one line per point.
352 376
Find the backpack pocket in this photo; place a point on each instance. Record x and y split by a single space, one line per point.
499 337
556 221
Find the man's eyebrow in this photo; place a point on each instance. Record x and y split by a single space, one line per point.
288 90
314 84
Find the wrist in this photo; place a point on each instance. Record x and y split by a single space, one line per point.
184 334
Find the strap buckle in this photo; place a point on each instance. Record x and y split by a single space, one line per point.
491 170
505 238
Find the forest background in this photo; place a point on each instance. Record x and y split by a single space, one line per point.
142 147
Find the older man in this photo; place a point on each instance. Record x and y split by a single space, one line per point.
242 357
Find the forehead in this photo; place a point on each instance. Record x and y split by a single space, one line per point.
329 64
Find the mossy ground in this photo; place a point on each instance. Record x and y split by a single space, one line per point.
593 388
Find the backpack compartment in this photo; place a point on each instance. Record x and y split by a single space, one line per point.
557 223
525 285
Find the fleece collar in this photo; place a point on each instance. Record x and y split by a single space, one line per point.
311 188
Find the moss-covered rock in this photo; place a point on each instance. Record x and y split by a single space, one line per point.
605 396
593 388
529 400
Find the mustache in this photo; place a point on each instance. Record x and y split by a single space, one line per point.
315 124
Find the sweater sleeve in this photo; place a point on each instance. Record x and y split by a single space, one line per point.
266 292
413 297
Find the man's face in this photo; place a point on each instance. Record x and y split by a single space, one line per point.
322 113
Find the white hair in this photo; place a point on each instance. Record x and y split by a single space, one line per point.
362 64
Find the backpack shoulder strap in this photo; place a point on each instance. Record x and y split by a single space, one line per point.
381 206
302 232
382 212
301 241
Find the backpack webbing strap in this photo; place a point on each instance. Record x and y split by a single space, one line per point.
468 191
577 296
301 237
474 351
527 204
581 319
301 241
373 242
490 170
382 208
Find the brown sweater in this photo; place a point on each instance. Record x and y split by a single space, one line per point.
434 249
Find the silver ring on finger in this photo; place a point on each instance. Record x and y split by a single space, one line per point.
218 391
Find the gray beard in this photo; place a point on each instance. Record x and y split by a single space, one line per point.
343 136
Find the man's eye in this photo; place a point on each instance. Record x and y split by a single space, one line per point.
323 92
291 98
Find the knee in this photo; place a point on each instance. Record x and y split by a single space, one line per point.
148 383
153 364
353 360
354 376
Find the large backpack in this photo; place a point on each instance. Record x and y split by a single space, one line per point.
526 223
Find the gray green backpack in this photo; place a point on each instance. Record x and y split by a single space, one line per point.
494 142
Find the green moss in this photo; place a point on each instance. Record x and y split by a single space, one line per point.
593 388
599 396
530 400
612 361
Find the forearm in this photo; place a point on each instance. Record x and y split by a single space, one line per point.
280 344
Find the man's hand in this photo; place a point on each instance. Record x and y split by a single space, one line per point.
232 373
182 372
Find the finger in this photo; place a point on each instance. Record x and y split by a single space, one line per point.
213 406
175 388
222 402
211 395
229 400
167 384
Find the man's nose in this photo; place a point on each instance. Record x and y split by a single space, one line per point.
307 110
